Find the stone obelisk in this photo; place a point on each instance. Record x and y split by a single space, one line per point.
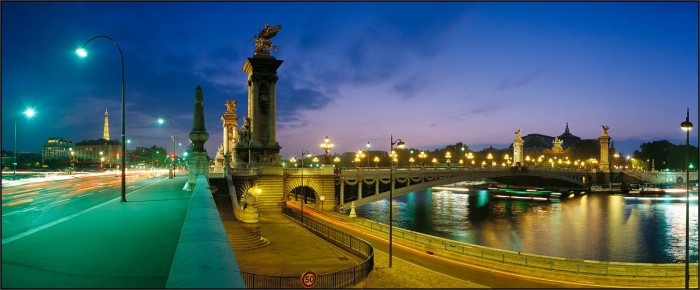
198 161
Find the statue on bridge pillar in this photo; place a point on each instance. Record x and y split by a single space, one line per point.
604 164
518 143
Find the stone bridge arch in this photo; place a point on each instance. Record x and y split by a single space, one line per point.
317 187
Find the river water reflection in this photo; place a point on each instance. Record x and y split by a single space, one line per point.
593 227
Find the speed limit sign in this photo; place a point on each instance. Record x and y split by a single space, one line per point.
308 279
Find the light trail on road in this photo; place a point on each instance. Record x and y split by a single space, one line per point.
30 206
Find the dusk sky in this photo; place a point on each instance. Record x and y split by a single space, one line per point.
431 74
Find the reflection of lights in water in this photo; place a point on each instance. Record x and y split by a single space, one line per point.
593 226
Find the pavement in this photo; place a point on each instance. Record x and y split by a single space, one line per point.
294 250
110 245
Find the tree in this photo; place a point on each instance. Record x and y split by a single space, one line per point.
666 155
584 150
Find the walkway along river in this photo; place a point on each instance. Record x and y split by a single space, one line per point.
592 227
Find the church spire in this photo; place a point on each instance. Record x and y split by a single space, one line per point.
566 131
105 135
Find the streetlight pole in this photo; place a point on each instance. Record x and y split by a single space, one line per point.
303 196
172 158
687 126
29 113
83 53
400 144
368 155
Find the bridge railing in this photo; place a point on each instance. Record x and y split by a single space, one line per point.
339 279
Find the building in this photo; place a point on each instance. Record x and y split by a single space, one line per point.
92 153
56 150
539 142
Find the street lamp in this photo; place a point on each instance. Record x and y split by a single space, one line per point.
368 156
422 157
29 113
326 145
303 196
83 53
376 161
400 144
687 126
172 122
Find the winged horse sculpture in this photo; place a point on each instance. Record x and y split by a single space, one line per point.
262 39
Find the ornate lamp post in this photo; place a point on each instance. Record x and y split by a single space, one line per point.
29 113
326 145
448 156
687 126
376 161
83 53
400 144
422 157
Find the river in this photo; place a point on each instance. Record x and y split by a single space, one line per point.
603 227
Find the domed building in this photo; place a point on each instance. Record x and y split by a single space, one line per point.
538 142
568 138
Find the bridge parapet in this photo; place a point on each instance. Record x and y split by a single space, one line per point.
309 171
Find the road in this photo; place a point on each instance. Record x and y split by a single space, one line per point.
454 268
77 234
30 206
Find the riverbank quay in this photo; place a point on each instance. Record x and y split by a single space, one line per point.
584 272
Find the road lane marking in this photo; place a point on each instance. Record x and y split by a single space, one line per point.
58 221
22 210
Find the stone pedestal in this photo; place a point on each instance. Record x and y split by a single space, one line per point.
260 147
198 164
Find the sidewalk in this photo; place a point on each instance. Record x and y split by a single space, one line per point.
114 245
294 250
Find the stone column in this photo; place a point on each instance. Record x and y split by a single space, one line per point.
359 189
376 185
604 164
262 109
518 149
230 126
198 160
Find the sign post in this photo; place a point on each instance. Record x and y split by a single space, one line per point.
308 279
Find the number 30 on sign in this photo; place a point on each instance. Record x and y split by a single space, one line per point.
308 279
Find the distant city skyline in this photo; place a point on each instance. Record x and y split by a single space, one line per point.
432 74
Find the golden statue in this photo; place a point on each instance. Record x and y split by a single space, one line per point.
231 106
605 130
262 40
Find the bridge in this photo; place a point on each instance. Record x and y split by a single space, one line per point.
328 189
